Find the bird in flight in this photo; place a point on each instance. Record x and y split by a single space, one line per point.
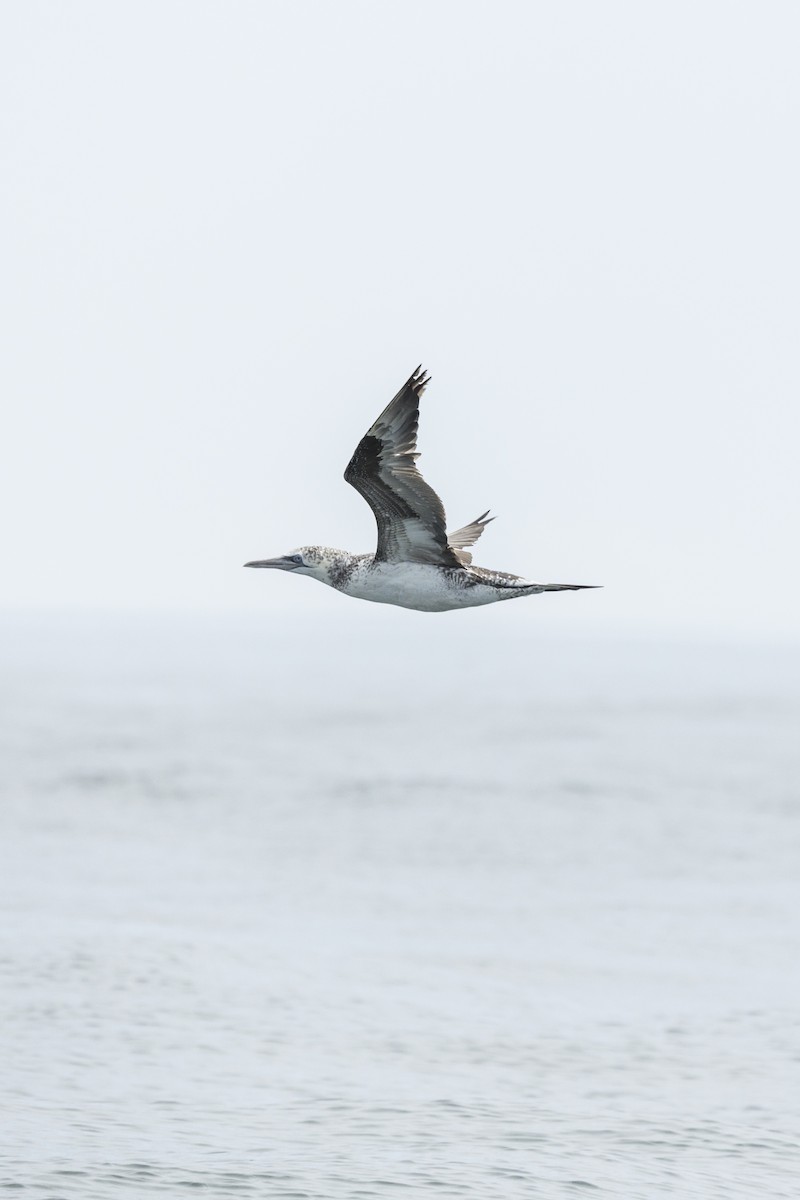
417 563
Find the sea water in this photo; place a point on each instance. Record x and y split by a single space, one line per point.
396 905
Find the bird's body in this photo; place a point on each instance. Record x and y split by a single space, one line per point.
426 587
422 586
417 564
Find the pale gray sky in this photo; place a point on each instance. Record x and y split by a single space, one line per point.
230 230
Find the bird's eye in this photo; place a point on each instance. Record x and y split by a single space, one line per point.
296 558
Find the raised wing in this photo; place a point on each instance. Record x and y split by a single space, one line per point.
409 514
468 536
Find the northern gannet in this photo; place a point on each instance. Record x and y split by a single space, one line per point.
417 563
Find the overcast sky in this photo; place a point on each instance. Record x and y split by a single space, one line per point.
230 230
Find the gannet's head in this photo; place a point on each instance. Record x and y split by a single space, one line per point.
317 561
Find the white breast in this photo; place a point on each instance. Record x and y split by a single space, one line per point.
414 585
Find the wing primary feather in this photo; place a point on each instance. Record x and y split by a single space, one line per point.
468 536
409 514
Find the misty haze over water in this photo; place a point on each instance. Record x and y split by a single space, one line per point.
386 903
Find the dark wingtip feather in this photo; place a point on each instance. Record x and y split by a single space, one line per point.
419 380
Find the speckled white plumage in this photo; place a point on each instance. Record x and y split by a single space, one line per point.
425 587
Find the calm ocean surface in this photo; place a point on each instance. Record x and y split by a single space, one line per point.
396 905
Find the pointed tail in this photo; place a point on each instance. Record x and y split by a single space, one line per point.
568 587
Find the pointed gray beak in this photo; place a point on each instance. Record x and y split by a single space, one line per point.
283 563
